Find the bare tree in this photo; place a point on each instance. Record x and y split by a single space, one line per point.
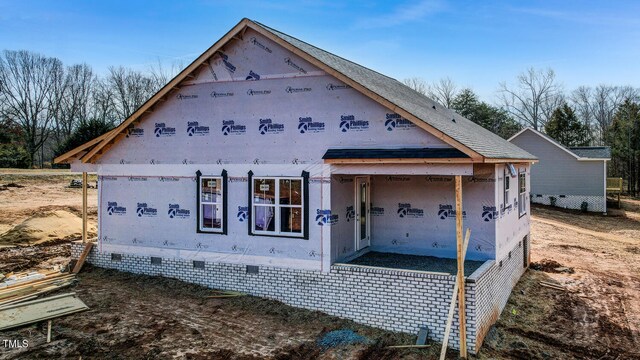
28 86
533 98
102 106
129 90
443 91
416 83
161 73
580 101
75 101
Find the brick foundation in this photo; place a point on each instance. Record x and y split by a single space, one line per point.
391 299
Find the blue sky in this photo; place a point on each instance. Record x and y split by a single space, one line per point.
476 43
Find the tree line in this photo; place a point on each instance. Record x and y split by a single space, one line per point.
47 108
604 115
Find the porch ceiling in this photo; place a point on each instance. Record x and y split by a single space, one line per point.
402 153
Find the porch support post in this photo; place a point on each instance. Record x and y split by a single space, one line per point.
84 207
460 277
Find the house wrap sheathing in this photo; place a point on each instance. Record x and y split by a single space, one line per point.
268 164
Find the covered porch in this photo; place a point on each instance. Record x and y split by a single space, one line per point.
404 202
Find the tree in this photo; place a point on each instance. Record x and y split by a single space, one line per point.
443 91
533 98
129 90
75 102
12 151
30 93
624 138
496 120
86 131
565 127
416 83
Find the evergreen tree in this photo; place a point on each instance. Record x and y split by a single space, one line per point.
565 128
623 136
494 119
86 131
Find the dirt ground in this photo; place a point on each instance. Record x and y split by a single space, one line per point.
595 258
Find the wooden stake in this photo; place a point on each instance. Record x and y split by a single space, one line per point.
49 331
452 304
460 279
83 257
84 207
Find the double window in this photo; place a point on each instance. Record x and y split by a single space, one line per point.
277 206
522 190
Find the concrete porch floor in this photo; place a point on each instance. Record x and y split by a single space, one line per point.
414 262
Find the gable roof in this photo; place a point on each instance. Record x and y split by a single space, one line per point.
581 153
592 152
472 139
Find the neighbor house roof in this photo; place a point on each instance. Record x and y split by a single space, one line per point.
479 144
592 152
582 153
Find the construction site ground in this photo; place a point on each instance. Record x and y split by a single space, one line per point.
595 314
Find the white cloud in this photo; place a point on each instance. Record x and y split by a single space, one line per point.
403 14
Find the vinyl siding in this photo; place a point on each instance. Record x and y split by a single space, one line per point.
559 173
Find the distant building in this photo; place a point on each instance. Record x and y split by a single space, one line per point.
567 177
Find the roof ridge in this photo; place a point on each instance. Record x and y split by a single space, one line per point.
328 52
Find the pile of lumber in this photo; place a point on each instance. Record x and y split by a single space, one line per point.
22 287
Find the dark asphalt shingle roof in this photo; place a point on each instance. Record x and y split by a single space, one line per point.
466 132
405 153
592 152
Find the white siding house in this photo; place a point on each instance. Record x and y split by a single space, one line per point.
273 167
568 177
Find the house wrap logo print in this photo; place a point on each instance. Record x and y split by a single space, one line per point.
242 213
176 212
229 127
351 213
114 209
135 132
267 126
395 121
446 211
349 123
489 213
193 128
406 211
142 209
306 124
161 129
324 217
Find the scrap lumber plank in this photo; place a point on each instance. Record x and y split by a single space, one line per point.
47 280
39 310
452 304
83 257
33 294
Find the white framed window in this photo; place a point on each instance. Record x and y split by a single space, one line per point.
507 178
278 206
522 192
211 204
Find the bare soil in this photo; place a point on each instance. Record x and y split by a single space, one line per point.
595 258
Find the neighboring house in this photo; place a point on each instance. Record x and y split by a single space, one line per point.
568 177
273 167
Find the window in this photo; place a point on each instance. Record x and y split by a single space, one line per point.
507 178
522 189
278 207
212 203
